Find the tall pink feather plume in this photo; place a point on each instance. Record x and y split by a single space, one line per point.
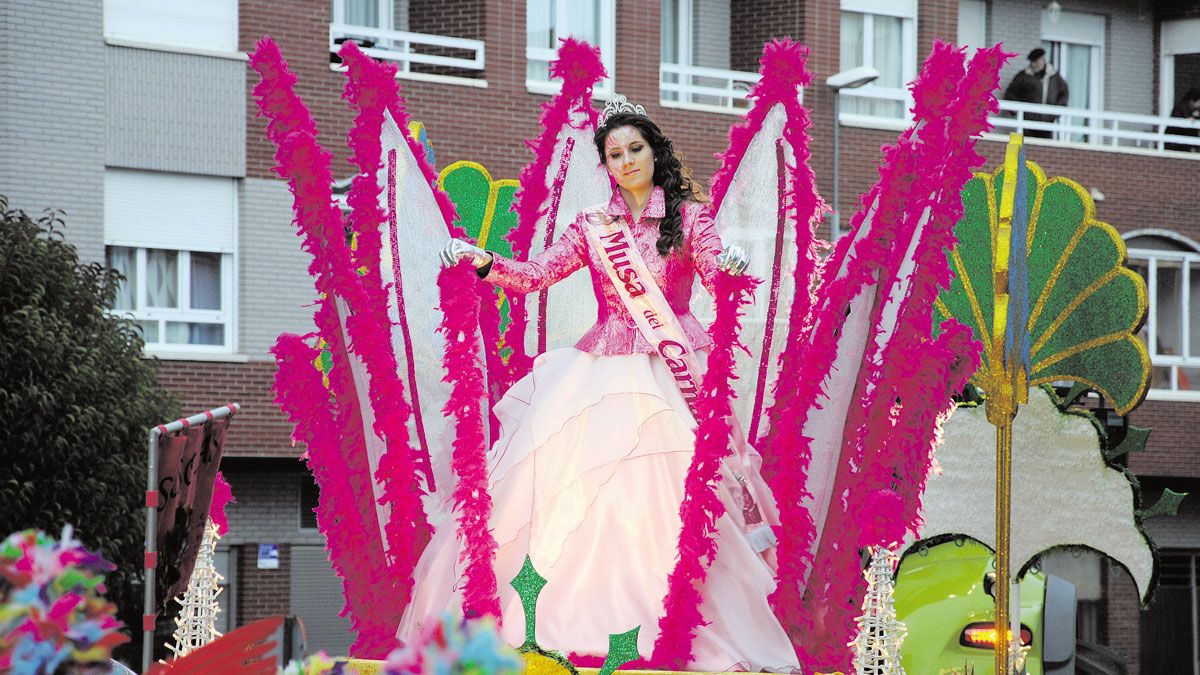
460 302
579 67
783 72
885 438
472 502
332 432
306 167
371 89
701 505
222 496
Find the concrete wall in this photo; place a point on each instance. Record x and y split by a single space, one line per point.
52 108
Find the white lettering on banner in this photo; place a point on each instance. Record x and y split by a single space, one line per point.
645 302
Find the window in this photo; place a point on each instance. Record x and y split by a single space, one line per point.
172 237
383 14
548 20
972 23
1171 268
1074 46
695 57
178 298
1179 65
421 45
880 34
210 25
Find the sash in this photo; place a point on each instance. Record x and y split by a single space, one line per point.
657 323
645 301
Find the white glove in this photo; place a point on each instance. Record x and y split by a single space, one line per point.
457 249
733 260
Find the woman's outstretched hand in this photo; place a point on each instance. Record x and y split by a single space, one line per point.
733 260
457 249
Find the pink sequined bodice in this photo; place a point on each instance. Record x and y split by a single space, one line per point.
614 331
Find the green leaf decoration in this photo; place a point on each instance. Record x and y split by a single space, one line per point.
1077 390
529 584
484 210
1085 306
1167 505
1134 441
622 648
483 204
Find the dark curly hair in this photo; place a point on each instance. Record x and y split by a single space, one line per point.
669 173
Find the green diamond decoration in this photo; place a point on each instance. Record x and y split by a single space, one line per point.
1167 505
622 649
529 584
1134 441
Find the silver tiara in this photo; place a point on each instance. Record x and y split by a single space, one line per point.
619 104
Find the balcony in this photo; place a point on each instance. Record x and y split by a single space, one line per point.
700 88
1080 128
419 56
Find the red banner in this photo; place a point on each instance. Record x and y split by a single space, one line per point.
187 468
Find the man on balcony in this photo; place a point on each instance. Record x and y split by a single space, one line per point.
1038 83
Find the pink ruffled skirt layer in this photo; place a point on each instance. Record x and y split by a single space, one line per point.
587 477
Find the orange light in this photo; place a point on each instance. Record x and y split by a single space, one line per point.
983 635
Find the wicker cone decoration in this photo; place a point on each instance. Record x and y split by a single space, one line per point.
877 645
196 623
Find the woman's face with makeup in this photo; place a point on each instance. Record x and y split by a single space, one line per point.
629 159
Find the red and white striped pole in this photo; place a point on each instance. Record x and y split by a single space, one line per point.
150 612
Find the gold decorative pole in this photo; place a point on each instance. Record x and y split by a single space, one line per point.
1009 388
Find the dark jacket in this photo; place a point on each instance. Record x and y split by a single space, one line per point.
1045 87
1182 109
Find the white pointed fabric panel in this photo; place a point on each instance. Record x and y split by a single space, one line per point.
413 234
375 445
575 180
1063 492
826 424
749 217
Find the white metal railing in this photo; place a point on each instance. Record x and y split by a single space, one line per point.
1099 129
704 87
405 48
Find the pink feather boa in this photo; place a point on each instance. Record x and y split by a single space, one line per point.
784 451
222 497
885 438
370 88
701 506
473 503
463 300
332 433
579 67
306 166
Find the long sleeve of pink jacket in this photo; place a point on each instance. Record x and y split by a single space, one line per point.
615 331
703 246
547 268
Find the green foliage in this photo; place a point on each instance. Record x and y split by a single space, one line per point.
76 399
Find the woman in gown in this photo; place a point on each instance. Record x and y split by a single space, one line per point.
588 472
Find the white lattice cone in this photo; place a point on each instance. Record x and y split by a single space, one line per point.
195 626
877 645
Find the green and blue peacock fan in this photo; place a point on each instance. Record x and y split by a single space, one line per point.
1072 308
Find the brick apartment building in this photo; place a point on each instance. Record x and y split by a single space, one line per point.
136 118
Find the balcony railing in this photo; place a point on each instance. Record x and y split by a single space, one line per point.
1099 128
414 49
1078 127
712 89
